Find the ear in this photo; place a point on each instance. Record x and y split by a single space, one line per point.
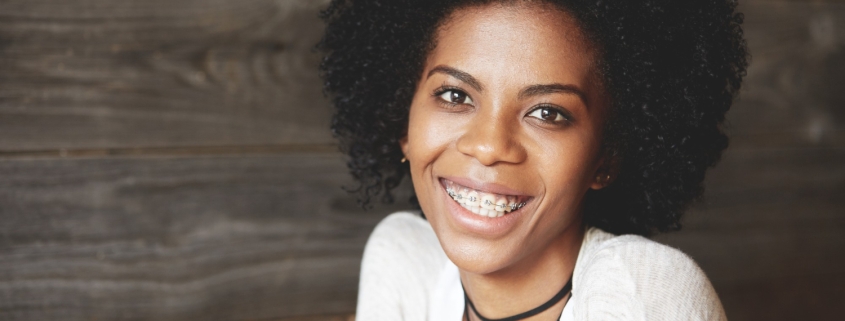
607 171
403 144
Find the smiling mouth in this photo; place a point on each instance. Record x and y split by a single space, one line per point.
484 203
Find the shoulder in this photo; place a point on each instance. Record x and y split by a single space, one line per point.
639 256
403 234
401 262
650 280
404 238
402 223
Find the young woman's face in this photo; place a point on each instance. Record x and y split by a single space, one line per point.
505 132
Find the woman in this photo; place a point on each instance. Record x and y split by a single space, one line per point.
543 140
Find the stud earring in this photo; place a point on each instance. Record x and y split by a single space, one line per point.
404 160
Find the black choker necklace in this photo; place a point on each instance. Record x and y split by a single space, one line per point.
545 306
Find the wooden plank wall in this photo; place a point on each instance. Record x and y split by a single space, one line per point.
169 160
771 231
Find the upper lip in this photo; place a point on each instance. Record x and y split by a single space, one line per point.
492 188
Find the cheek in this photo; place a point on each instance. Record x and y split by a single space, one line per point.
567 168
429 135
572 162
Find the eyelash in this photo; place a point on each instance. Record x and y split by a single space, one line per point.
444 89
567 118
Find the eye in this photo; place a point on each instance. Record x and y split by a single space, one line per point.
454 96
549 115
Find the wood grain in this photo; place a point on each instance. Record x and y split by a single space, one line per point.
123 73
770 234
770 231
208 238
338 317
170 160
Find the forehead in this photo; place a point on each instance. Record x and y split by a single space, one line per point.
529 42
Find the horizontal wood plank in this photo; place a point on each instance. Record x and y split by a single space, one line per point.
202 238
194 238
770 233
122 74
339 317
771 227
120 198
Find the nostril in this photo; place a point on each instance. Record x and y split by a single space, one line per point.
491 144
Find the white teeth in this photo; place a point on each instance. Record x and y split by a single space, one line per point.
501 203
472 199
483 204
462 197
488 202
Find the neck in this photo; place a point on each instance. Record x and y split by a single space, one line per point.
529 282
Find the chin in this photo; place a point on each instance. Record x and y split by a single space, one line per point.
478 256
477 243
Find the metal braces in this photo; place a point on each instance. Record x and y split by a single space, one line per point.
459 197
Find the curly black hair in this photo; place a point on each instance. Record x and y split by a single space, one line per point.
672 69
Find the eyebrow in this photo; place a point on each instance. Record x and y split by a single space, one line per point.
462 76
530 91
538 90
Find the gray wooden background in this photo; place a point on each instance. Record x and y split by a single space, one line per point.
170 160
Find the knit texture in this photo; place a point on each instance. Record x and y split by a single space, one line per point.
616 277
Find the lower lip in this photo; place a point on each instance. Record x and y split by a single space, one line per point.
482 225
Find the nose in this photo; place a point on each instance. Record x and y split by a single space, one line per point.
491 140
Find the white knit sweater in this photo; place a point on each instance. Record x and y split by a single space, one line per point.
616 278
